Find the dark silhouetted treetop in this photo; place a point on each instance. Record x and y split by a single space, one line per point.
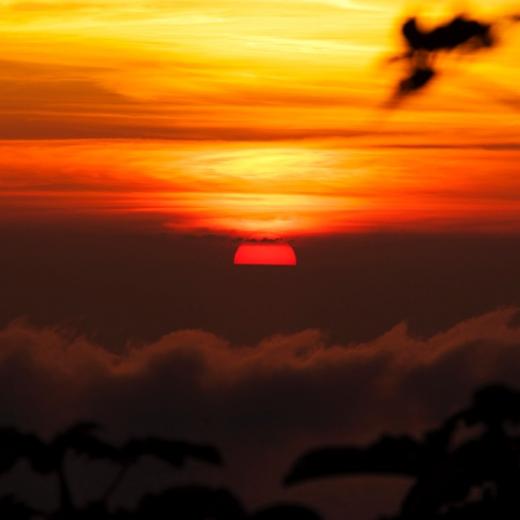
469 467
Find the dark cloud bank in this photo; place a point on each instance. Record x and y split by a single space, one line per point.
262 405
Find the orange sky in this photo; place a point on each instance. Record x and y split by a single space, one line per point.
255 118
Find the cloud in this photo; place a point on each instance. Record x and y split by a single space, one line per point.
423 47
282 385
264 404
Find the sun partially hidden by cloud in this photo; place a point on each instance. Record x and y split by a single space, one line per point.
251 118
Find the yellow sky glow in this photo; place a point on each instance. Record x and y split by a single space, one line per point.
260 117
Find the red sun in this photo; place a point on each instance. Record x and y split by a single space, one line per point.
260 253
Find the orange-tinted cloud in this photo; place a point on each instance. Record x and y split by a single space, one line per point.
284 101
200 64
265 188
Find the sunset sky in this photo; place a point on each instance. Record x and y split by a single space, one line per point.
143 141
256 119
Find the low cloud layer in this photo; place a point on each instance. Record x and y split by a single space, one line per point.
263 404
291 383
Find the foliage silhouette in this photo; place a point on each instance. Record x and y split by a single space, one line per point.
467 468
190 502
285 512
13 509
48 458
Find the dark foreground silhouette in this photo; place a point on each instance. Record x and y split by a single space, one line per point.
468 468
190 502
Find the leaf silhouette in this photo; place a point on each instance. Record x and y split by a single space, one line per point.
494 405
175 453
394 455
285 512
12 448
48 458
81 440
191 503
12 509
474 476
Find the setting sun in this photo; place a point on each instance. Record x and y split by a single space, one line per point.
265 253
